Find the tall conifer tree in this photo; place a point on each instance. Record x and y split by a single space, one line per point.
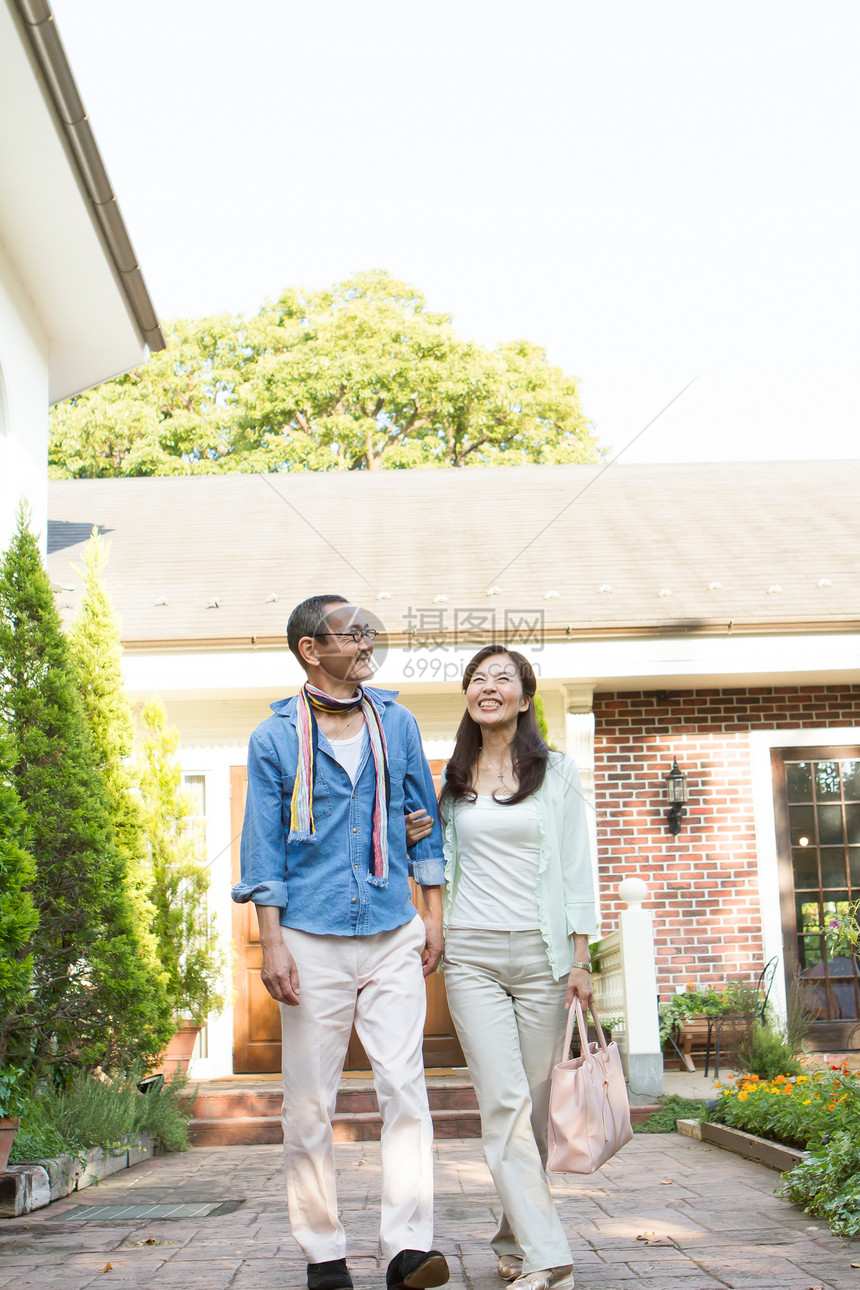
18 917
97 656
189 947
92 999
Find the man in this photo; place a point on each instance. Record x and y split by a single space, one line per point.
330 777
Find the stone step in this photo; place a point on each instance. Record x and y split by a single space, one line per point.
256 1103
252 1117
354 1126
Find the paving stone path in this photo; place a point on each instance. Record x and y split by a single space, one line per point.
667 1214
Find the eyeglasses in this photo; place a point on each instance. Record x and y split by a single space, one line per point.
356 635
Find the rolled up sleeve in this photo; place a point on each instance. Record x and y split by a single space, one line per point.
263 849
426 864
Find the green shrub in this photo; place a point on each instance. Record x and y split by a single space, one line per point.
93 1112
35 1142
672 1108
827 1183
12 1099
767 1052
163 1111
90 1112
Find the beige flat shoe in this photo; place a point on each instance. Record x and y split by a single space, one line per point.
510 1266
545 1279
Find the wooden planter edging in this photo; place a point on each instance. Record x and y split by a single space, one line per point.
762 1150
27 1187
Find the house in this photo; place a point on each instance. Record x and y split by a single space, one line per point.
708 614
74 308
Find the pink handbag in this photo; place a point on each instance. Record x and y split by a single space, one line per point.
589 1114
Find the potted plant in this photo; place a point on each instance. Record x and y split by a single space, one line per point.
12 1101
842 931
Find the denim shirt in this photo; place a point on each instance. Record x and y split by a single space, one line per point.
320 885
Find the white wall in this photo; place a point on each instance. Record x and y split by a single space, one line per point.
24 413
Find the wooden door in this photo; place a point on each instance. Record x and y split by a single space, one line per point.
256 1016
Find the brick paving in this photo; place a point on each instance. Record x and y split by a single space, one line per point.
711 1220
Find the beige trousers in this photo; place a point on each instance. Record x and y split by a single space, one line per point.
510 1017
377 982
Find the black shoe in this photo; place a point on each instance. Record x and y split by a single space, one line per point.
417 1269
331 1275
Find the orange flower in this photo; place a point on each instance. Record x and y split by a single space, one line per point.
742 1097
780 1079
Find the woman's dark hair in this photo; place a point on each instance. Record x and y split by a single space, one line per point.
528 751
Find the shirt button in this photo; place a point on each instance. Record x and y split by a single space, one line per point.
353 900
355 830
355 866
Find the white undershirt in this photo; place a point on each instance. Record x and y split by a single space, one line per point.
499 849
348 753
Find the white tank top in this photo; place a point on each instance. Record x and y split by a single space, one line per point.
499 849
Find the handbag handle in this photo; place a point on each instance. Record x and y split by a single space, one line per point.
575 1013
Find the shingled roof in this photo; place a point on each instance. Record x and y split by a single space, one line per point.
221 559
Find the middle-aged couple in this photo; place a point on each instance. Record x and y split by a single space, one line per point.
341 809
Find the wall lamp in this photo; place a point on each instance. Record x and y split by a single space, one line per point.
676 795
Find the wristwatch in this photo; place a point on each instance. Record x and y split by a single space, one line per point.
586 967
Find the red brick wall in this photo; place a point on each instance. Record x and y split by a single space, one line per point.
704 882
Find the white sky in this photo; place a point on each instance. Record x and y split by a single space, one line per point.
653 191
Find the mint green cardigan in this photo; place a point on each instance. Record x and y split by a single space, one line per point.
565 883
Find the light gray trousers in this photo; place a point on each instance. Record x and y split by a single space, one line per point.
510 1017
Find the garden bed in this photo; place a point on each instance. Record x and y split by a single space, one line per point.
27 1187
806 1125
748 1145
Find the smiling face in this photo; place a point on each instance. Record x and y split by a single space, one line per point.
494 695
335 662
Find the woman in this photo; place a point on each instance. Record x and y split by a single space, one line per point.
519 909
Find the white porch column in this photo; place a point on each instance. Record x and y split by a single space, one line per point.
641 1016
579 744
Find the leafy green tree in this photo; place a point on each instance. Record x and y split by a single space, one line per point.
188 947
91 1000
358 377
96 652
540 718
18 917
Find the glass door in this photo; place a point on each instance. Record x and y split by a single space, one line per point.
817 800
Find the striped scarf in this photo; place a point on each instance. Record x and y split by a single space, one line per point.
301 806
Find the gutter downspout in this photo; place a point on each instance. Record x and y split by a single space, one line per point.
40 29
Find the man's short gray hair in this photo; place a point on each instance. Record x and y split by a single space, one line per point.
309 619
